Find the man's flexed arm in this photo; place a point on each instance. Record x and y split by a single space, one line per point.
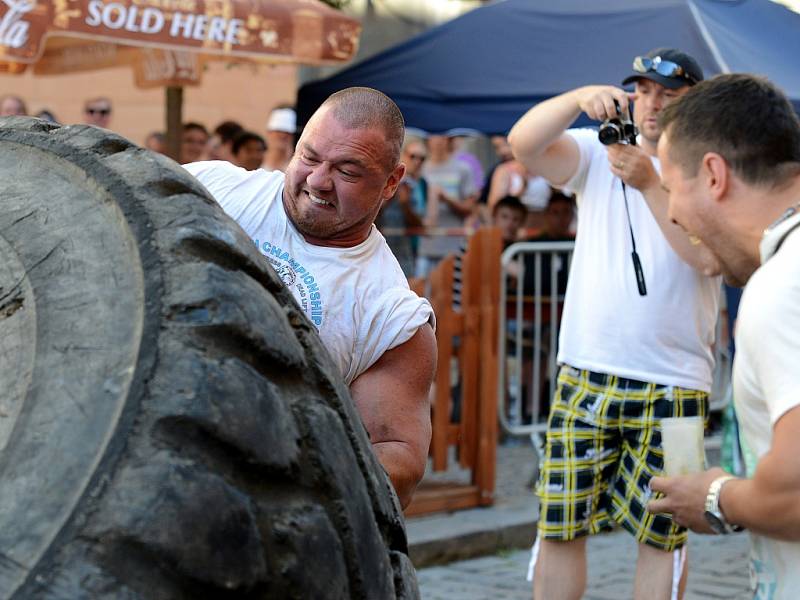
538 139
392 399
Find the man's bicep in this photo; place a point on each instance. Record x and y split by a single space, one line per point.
780 465
392 395
558 163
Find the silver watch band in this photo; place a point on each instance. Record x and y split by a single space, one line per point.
712 502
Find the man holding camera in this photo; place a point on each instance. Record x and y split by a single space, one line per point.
636 335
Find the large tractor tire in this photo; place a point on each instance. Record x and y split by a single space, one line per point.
170 425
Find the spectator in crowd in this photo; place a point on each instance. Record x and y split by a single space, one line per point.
220 144
503 152
315 225
460 152
157 142
407 207
97 112
281 129
194 138
12 106
559 217
730 157
508 214
556 227
621 343
511 178
248 150
47 115
451 199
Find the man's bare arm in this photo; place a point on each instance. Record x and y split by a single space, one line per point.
767 504
634 167
463 207
392 399
538 139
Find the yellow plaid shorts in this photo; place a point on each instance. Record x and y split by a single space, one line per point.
603 446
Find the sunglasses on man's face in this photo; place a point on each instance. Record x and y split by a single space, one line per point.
419 157
666 68
104 112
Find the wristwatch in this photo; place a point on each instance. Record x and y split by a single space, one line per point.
713 513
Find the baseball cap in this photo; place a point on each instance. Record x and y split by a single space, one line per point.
669 67
282 119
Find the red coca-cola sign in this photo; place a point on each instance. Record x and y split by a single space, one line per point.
304 30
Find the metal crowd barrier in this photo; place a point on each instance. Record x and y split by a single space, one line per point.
528 338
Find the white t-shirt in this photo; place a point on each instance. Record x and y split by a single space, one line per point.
664 337
766 384
358 297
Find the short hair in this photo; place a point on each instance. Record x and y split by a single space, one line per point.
193 125
227 130
511 202
246 136
366 108
745 119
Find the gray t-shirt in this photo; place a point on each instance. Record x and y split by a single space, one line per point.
454 178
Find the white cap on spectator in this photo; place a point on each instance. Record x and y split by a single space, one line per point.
282 119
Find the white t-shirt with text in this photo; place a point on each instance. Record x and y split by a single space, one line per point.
664 337
357 297
766 380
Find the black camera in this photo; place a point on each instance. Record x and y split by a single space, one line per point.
620 130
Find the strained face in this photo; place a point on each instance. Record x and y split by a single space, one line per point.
337 181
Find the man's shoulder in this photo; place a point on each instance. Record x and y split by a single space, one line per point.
377 261
211 168
228 183
584 136
592 158
771 299
221 170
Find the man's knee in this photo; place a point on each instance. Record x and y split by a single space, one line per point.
559 570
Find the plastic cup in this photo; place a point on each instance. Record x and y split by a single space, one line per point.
682 443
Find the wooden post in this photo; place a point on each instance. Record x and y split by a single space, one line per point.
470 348
477 326
442 300
484 473
174 120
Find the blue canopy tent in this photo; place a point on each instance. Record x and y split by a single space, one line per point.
484 69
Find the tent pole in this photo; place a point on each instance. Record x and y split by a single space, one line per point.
174 120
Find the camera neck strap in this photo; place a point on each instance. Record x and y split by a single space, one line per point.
637 264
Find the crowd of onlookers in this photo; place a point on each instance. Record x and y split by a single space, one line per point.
227 141
445 195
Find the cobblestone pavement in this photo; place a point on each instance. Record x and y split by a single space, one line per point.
717 569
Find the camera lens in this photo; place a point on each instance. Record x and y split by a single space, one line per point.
609 134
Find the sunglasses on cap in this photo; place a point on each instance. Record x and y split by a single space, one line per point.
98 111
665 68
